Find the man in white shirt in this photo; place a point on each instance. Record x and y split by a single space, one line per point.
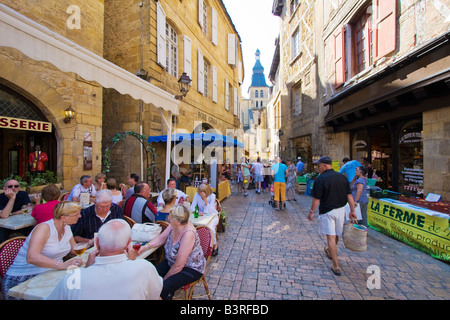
171 183
85 186
109 272
257 169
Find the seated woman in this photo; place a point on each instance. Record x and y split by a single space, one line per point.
205 199
45 247
170 197
184 262
116 194
44 212
99 183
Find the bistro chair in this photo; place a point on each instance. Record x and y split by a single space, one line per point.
206 242
130 221
8 252
65 196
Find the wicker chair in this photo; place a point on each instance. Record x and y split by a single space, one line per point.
8 252
206 243
130 221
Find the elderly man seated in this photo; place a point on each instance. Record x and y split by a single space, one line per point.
93 217
139 206
85 186
12 199
181 196
109 272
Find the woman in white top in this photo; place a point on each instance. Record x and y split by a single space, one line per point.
45 247
205 199
116 194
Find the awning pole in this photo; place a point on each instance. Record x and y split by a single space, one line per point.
168 124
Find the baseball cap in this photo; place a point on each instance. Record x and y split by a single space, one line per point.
324 159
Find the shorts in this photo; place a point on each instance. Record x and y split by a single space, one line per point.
258 178
332 222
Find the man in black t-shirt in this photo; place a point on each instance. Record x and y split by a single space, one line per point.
12 199
332 191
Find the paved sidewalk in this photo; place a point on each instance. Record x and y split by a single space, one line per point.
268 254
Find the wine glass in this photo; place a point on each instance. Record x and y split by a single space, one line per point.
136 247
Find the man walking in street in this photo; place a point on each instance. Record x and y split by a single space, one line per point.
279 173
332 191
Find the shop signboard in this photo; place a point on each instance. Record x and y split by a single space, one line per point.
421 228
25 124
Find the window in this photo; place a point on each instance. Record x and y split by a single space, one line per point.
362 42
297 99
369 36
261 94
205 18
171 51
256 94
295 44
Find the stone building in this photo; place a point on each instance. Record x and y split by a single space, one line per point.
112 65
162 40
378 72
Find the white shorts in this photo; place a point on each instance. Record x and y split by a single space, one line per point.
332 222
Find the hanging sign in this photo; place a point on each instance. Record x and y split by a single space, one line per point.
25 124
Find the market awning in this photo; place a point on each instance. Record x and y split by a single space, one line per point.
206 138
42 44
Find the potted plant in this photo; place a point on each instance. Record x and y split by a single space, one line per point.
222 220
38 181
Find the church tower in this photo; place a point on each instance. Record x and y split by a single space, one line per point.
258 90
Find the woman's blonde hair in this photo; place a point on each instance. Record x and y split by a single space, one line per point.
180 213
66 208
205 188
168 195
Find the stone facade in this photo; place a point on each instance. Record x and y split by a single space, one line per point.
51 91
132 43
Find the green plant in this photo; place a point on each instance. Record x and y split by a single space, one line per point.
40 179
223 215
311 175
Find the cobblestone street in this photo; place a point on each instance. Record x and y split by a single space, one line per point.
268 254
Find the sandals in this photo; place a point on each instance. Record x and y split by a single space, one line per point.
337 271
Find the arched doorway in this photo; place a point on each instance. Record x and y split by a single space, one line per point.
19 138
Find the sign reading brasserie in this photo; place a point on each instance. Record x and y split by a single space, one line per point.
25 124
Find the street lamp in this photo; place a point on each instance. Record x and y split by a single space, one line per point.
69 114
185 84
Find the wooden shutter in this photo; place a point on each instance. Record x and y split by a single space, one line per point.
214 26
227 95
200 12
187 57
161 35
201 77
235 100
339 57
232 49
384 27
214 81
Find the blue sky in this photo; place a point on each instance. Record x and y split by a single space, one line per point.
258 29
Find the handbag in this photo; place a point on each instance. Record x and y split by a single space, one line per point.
145 232
355 236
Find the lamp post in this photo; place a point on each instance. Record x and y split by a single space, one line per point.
184 84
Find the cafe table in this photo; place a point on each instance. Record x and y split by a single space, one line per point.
41 286
203 220
18 221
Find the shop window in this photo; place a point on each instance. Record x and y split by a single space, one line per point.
410 148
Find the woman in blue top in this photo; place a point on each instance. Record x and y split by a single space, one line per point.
169 196
359 191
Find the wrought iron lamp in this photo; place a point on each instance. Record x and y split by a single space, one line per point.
185 84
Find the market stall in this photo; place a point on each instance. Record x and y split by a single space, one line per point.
413 223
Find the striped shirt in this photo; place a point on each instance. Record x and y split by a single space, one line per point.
89 223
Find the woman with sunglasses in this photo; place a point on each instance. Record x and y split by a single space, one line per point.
12 199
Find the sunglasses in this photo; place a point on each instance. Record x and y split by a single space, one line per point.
13 186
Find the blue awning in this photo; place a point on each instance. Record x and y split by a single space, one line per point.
206 138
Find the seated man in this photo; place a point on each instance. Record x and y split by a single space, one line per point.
85 186
12 199
139 207
132 180
181 196
109 272
95 216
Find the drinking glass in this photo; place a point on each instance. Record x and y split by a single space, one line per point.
80 248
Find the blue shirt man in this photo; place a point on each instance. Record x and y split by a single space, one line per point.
349 168
300 167
279 170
